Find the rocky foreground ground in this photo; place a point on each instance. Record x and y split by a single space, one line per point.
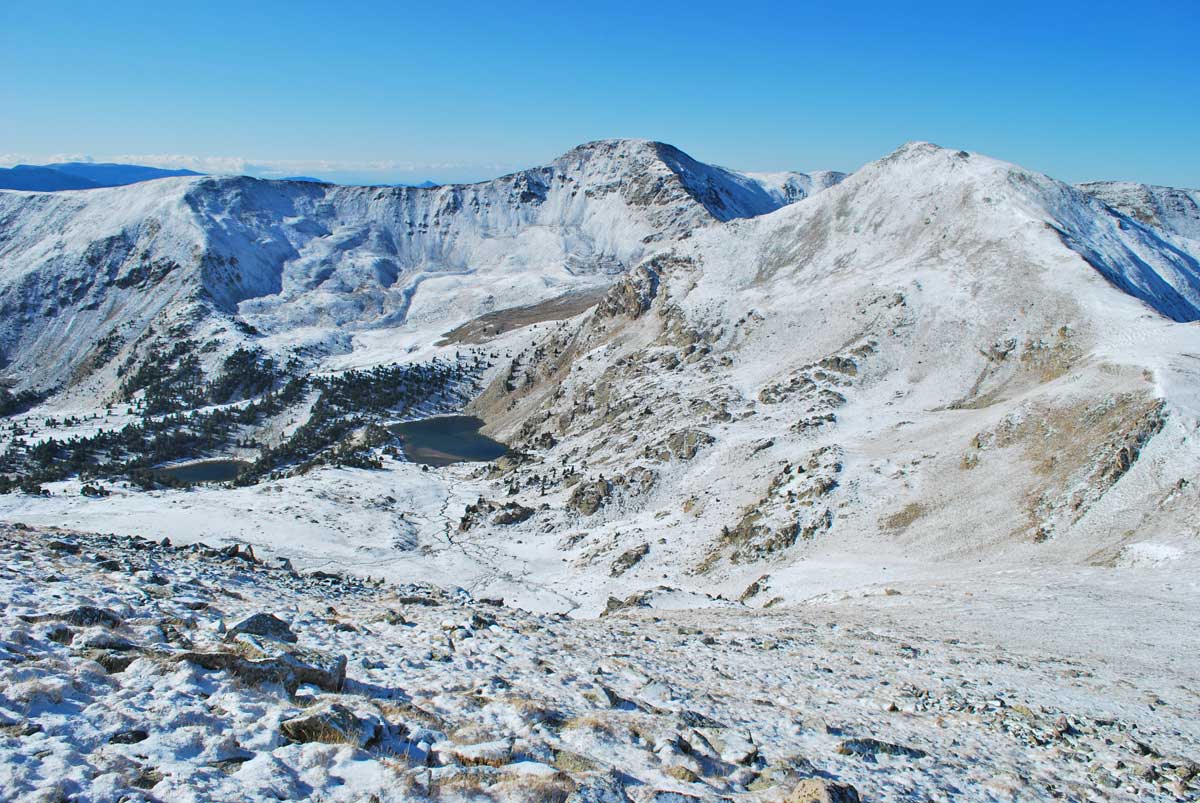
134 670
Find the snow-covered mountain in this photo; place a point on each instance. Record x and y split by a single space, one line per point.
879 482
941 357
84 276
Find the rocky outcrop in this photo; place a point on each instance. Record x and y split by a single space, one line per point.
266 625
631 296
332 723
588 496
628 559
290 669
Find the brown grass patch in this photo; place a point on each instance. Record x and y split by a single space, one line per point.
901 519
493 324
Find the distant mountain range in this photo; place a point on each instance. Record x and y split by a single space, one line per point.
90 175
80 176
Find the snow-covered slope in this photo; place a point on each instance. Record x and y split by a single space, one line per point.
137 670
1174 210
312 262
790 187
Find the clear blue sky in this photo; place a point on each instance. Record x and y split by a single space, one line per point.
378 91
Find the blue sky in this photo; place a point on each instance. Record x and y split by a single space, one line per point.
386 91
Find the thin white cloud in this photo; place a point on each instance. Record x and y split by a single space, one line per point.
180 161
10 159
289 167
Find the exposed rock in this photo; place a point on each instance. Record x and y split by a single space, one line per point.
129 737
588 497
291 668
819 790
265 625
868 748
628 559
333 723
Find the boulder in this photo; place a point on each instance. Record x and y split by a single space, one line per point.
628 559
264 625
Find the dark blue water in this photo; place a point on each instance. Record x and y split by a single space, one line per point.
447 439
220 470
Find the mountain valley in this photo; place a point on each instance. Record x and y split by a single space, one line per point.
943 405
